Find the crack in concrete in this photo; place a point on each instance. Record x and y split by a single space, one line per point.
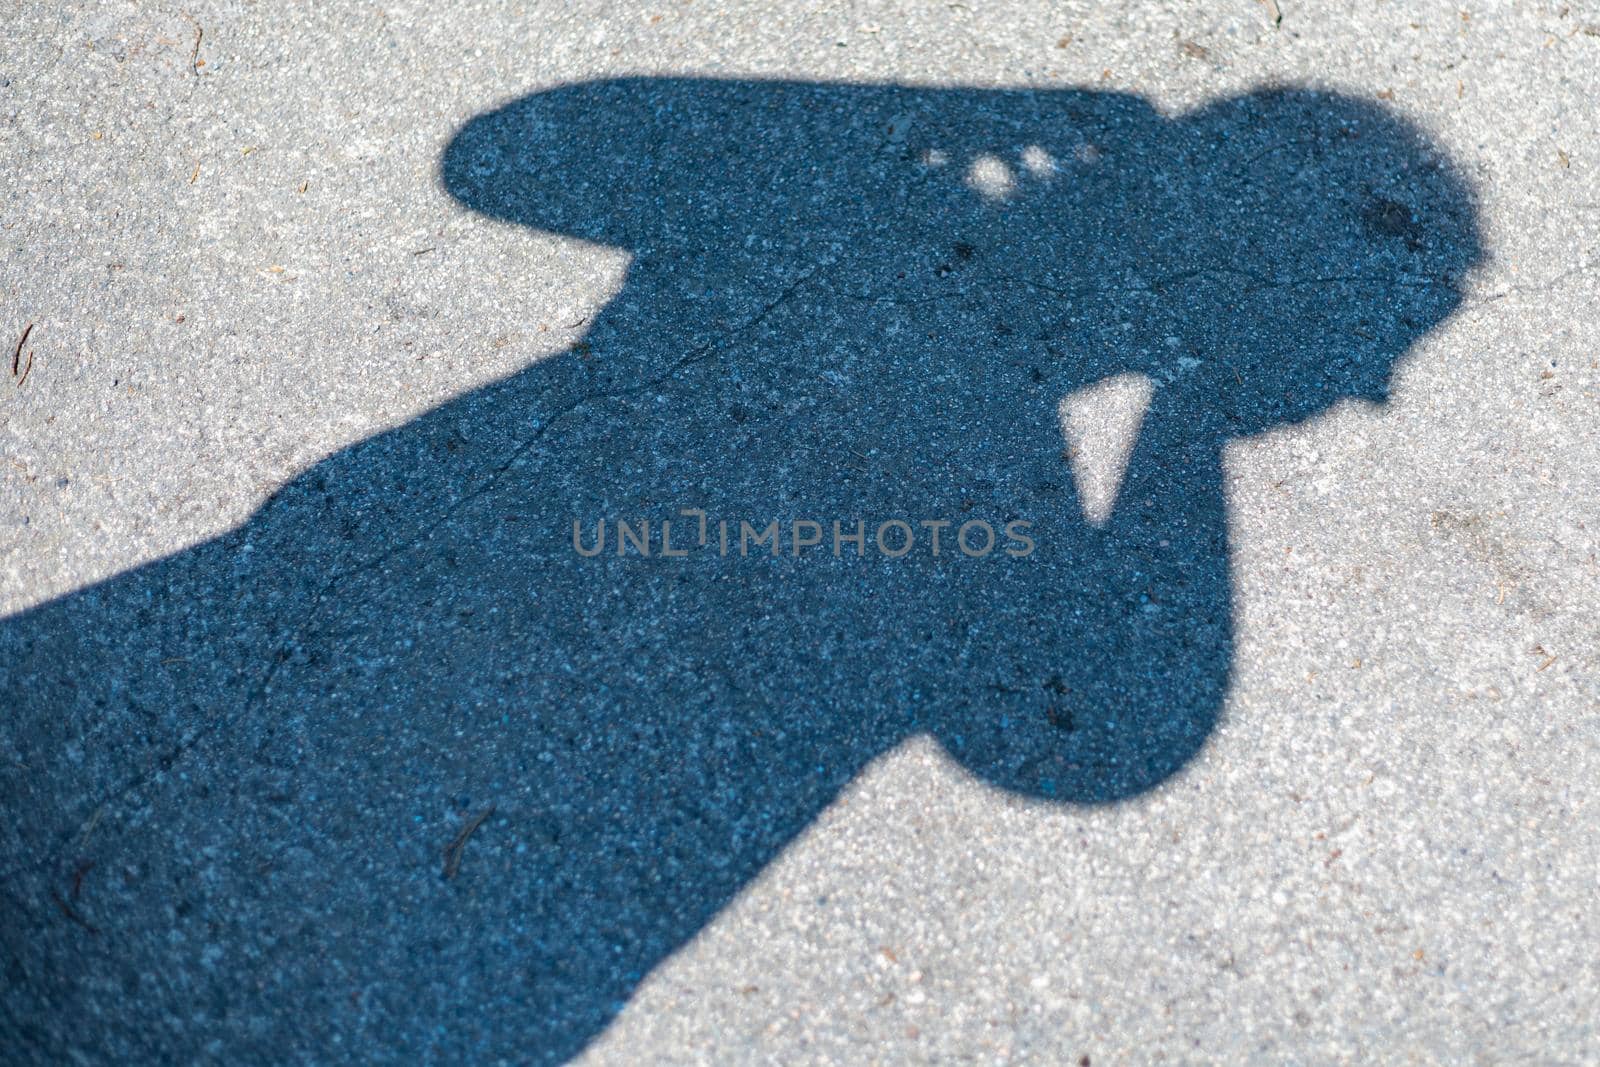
280 655
1155 286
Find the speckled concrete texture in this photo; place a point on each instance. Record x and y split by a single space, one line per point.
321 741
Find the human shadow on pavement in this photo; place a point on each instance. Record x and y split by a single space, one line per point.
230 774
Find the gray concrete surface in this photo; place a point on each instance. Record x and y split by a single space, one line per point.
309 403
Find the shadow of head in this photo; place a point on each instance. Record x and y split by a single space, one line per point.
1307 238
1257 260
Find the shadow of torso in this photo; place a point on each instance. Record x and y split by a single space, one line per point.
844 304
